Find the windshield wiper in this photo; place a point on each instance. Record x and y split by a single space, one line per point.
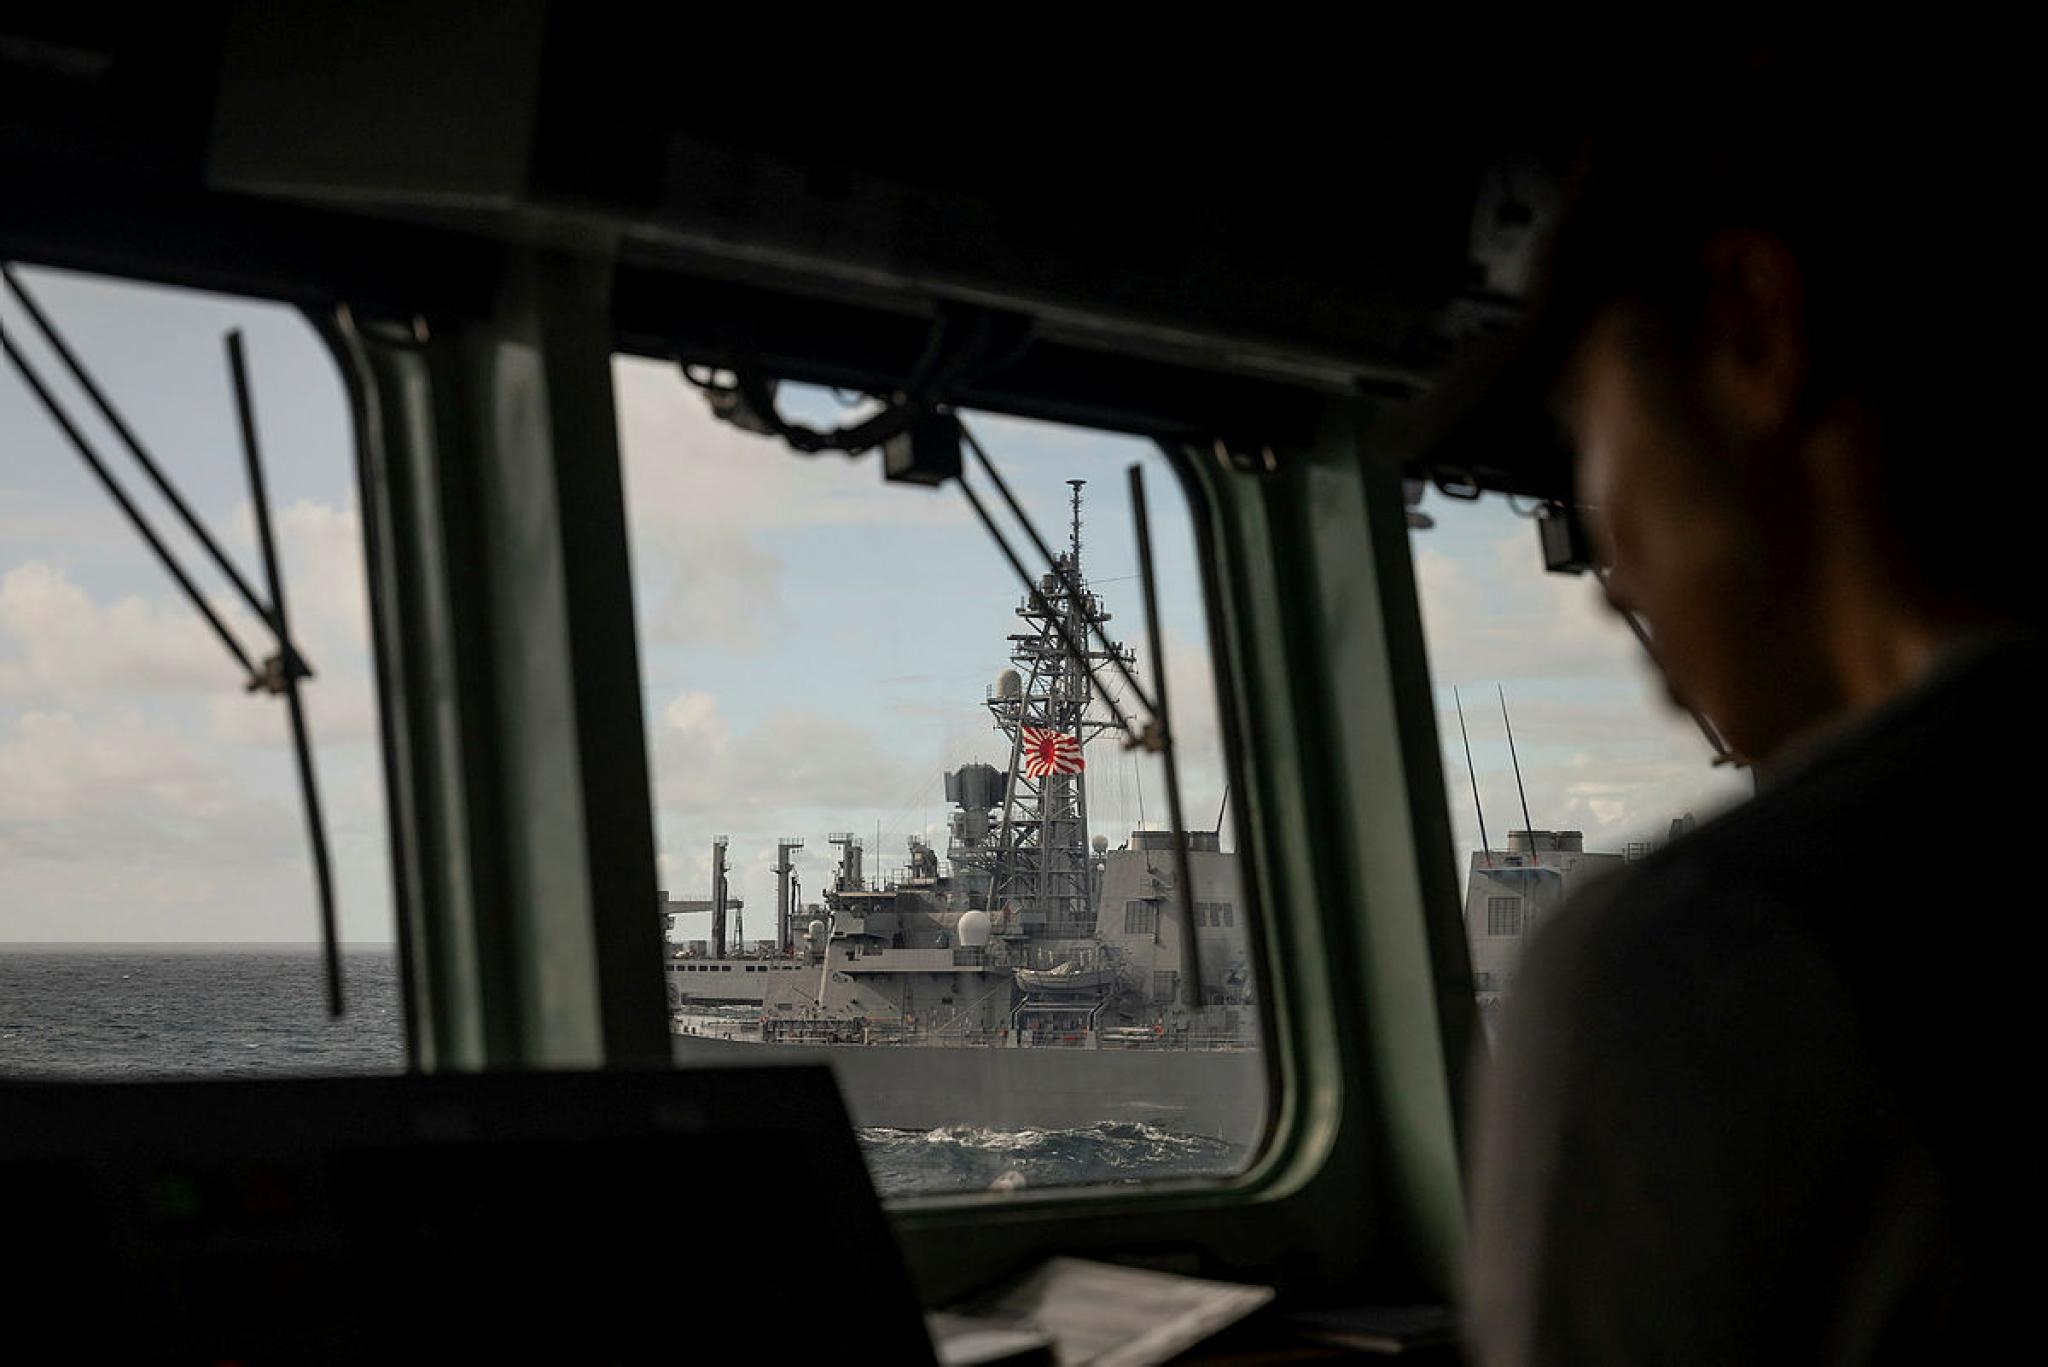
284 670
1155 635
281 672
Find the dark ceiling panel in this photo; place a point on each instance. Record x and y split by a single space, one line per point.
1195 241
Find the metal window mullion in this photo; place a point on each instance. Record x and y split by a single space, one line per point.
572 822
429 716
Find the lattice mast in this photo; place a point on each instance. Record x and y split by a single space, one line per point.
1043 870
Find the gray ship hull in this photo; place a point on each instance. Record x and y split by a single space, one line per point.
1218 1094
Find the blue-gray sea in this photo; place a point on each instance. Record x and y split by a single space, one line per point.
134 1011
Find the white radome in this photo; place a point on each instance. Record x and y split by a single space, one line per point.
815 930
973 930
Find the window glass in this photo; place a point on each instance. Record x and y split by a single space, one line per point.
157 912
1609 769
1503 916
870 742
1139 918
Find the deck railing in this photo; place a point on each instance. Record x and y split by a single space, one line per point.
884 1034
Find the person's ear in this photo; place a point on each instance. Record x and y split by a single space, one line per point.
1754 338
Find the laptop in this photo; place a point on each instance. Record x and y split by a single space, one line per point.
699 1215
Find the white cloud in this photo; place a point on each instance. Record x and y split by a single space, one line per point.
61 772
69 650
1602 748
1500 616
794 773
119 827
71 641
792 760
1197 737
123 790
325 587
1618 767
65 644
341 710
713 586
145 795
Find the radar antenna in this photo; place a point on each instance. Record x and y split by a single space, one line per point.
1485 846
1535 850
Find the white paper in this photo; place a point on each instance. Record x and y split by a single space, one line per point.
1100 1315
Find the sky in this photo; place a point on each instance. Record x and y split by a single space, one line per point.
815 646
143 795
1602 749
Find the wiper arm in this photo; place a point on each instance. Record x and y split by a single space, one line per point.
286 670
1155 635
49 403
281 673
83 377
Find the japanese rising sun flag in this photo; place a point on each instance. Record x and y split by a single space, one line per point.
1049 752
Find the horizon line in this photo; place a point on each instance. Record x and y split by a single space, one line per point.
191 944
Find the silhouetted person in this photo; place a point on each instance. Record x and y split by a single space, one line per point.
1767 1096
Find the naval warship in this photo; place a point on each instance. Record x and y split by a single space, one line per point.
1034 976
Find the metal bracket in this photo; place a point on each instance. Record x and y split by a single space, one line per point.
1258 459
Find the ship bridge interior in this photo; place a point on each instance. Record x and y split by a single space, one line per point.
1280 261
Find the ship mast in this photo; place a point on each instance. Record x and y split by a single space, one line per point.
1043 871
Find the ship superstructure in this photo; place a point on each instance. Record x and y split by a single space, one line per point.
1510 893
1029 935
1042 872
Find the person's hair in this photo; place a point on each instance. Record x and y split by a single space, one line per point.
1902 197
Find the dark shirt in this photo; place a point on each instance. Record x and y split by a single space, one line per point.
1768 1095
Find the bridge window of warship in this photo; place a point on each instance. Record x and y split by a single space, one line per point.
1562 756
641 667
1503 916
159 908
912 783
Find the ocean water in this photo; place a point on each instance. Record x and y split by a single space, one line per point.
160 1011
137 1011
963 1158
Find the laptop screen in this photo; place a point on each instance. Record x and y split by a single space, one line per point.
718 1214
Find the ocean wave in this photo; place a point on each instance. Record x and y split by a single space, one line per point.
971 1158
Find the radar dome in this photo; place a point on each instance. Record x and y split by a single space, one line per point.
973 929
1101 844
1009 684
814 930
